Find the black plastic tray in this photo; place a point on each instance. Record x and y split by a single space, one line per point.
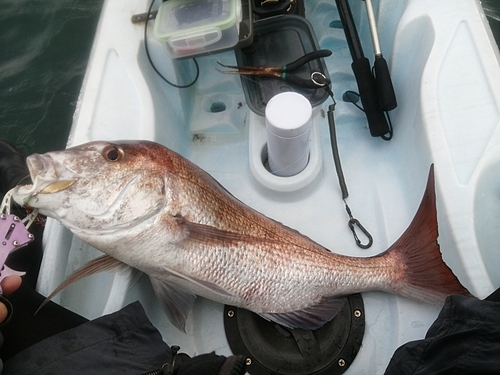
277 41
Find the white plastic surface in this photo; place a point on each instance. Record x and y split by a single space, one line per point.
445 70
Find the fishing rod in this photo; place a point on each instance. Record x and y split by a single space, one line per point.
385 89
367 84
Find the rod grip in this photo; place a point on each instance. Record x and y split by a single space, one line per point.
368 93
386 95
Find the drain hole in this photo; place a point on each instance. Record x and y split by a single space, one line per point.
336 24
350 97
217 107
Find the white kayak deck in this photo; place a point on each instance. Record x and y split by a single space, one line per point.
445 69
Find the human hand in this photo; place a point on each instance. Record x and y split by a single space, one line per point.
9 285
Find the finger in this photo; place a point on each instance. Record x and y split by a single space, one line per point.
3 312
11 284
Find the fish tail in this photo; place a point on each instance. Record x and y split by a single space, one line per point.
423 274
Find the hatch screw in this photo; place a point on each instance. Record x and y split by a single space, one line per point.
341 362
230 313
248 361
30 236
357 313
15 243
15 218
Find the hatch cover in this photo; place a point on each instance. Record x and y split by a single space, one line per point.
272 349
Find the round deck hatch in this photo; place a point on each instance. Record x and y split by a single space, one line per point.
275 350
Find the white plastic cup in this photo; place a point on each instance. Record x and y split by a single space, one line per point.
288 123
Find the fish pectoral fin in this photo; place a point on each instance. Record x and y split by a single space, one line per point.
310 318
208 234
175 302
100 264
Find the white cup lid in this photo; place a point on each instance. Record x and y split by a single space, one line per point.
288 114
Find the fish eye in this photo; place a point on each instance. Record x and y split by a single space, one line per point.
112 153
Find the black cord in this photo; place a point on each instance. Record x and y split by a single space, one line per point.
353 223
390 133
347 97
333 143
151 61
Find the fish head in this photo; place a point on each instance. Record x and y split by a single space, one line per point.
98 185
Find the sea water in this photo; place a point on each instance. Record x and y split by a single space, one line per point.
44 49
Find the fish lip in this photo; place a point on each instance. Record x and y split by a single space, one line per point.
48 176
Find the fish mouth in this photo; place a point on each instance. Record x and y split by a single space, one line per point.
48 177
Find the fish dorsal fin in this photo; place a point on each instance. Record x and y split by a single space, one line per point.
175 302
100 264
309 318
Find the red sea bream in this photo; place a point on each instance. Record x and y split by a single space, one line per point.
148 207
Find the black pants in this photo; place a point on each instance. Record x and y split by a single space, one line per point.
26 329
58 341
464 339
122 343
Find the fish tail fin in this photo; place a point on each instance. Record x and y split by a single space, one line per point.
425 276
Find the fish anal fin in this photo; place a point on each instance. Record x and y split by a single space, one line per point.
310 318
100 264
175 302
426 277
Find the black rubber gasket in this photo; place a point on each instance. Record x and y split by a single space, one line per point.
275 350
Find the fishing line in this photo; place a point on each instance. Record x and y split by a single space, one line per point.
151 60
353 223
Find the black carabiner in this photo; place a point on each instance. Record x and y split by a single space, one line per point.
355 222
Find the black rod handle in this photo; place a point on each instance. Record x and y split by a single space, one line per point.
368 93
386 94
